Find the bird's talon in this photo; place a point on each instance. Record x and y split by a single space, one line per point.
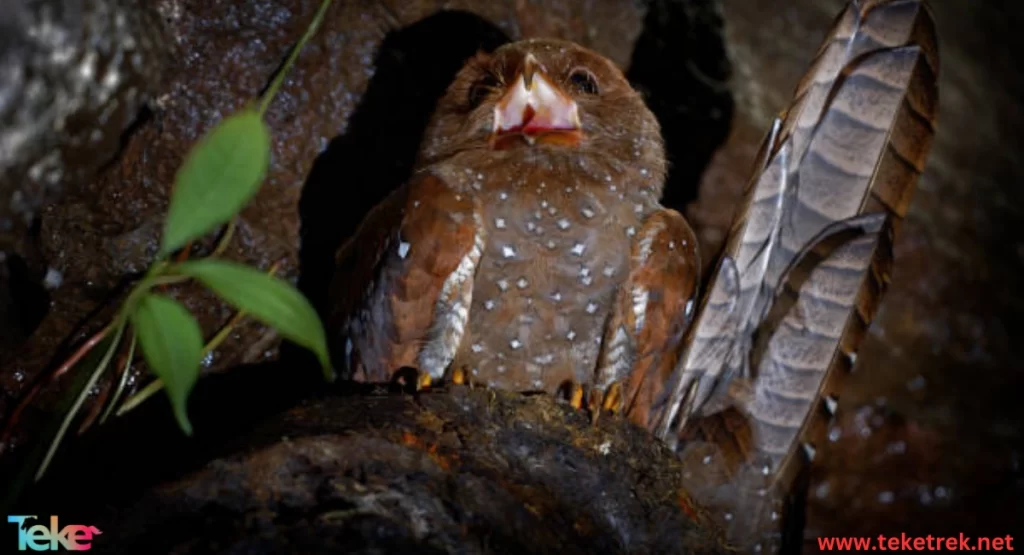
423 381
613 398
576 396
459 376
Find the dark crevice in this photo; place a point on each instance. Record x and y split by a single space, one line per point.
143 118
680 65
23 300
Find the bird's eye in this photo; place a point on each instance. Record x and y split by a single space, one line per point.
479 91
584 81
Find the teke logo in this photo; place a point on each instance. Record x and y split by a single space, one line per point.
73 537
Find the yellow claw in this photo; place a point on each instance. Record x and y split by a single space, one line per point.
424 381
458 376
613 398
576 397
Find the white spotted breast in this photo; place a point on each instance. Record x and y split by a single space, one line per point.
554 258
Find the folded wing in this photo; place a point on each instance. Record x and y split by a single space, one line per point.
807 258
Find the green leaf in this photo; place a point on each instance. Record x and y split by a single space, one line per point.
271 300
172 345
220 175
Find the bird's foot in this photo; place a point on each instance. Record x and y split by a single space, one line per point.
576 396
594 401
459 376
411 380
608 401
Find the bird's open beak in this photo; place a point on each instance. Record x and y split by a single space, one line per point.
536 110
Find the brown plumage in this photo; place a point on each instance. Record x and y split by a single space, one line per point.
529 250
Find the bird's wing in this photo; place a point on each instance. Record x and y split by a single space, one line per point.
401 293
809 246
652 311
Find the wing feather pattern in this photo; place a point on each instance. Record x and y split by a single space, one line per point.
808 255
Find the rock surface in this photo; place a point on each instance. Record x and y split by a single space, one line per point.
465 471
73 76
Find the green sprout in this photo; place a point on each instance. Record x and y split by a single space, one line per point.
219 176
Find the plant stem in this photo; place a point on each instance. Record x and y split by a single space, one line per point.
69 363
151 389
127 368
154 387
120 325
225 239
152 278
279 78
183 254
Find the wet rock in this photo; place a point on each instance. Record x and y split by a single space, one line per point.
73 76
462 471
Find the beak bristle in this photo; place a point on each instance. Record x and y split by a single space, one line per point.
529 65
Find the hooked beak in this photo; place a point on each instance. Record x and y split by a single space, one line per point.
535 109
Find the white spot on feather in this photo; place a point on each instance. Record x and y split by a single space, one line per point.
831 404
403 249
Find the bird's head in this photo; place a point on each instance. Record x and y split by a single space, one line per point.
545 95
